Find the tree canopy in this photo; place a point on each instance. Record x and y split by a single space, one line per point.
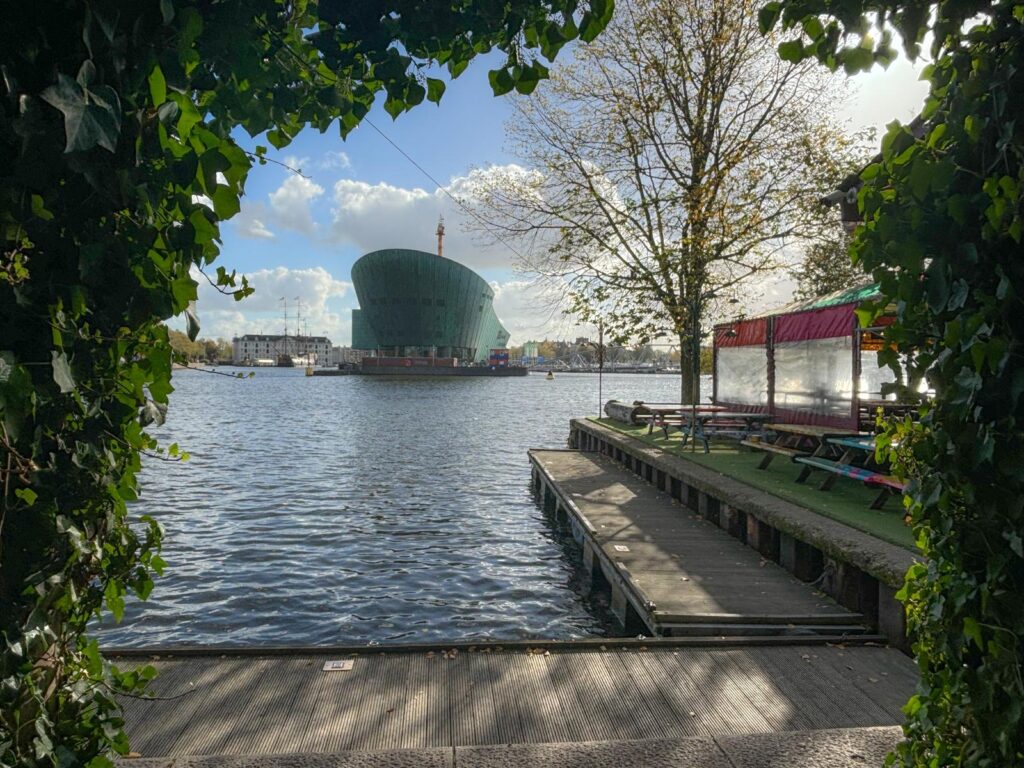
121 152
667 165
943 212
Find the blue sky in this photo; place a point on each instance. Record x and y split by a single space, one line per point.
298 236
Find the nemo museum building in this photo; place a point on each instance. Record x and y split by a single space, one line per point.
418 308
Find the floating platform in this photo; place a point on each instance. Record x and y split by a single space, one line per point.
669 569
861 571
422 370
250 703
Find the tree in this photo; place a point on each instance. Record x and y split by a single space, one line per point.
120 155
943 211
668 165
826 265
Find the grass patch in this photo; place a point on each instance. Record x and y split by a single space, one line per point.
848 502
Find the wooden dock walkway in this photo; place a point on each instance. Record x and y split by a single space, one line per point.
249 704
669 568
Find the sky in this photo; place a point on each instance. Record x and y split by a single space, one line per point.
297 236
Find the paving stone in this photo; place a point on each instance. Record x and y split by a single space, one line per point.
678 753
399 758
839 748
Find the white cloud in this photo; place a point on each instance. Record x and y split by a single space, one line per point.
290 204
262 312
533 311
247 224
374 216
289 207
334 161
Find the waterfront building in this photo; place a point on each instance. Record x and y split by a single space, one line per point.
254 347
346 356
418 304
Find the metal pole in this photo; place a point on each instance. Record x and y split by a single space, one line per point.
600 367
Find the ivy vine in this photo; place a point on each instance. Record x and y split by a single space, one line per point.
943 216
121 152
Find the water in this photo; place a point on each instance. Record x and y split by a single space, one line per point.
333 510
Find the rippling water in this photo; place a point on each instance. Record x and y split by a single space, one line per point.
352 510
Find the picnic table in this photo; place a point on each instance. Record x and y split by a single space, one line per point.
853 463
702 424
665 415
794 440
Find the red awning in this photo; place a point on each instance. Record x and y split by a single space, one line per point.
824 323
742 333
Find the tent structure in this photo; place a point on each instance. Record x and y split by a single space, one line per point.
808 362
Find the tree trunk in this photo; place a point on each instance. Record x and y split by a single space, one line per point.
686 382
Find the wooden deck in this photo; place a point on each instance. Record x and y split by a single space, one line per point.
678 573
251 704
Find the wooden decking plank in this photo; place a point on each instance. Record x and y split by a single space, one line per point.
423 716
540 708
674 559
507 705
671 722
166 724
856 707
593 683
338 702
682 695
801 687
241 738
648 720
705 679
702 665
379 720
761 691
266 705
478 699
171 683
286 724
584 720
867 673
200 736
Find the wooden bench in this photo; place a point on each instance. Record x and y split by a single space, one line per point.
772 450
888 483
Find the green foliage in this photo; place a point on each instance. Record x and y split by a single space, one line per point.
942 234
119 158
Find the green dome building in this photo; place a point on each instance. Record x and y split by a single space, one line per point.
418 304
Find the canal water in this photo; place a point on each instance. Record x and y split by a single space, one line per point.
333 510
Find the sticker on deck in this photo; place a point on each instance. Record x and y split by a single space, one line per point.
620 547
340 665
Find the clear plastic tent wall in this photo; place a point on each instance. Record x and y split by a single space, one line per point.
813 366
741 365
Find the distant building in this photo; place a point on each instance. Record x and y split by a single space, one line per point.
419 304
254 347
346 355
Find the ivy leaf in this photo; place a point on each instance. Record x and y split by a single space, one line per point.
27 495
91 117
157 86
62 372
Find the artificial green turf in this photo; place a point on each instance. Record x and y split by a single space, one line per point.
848 501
